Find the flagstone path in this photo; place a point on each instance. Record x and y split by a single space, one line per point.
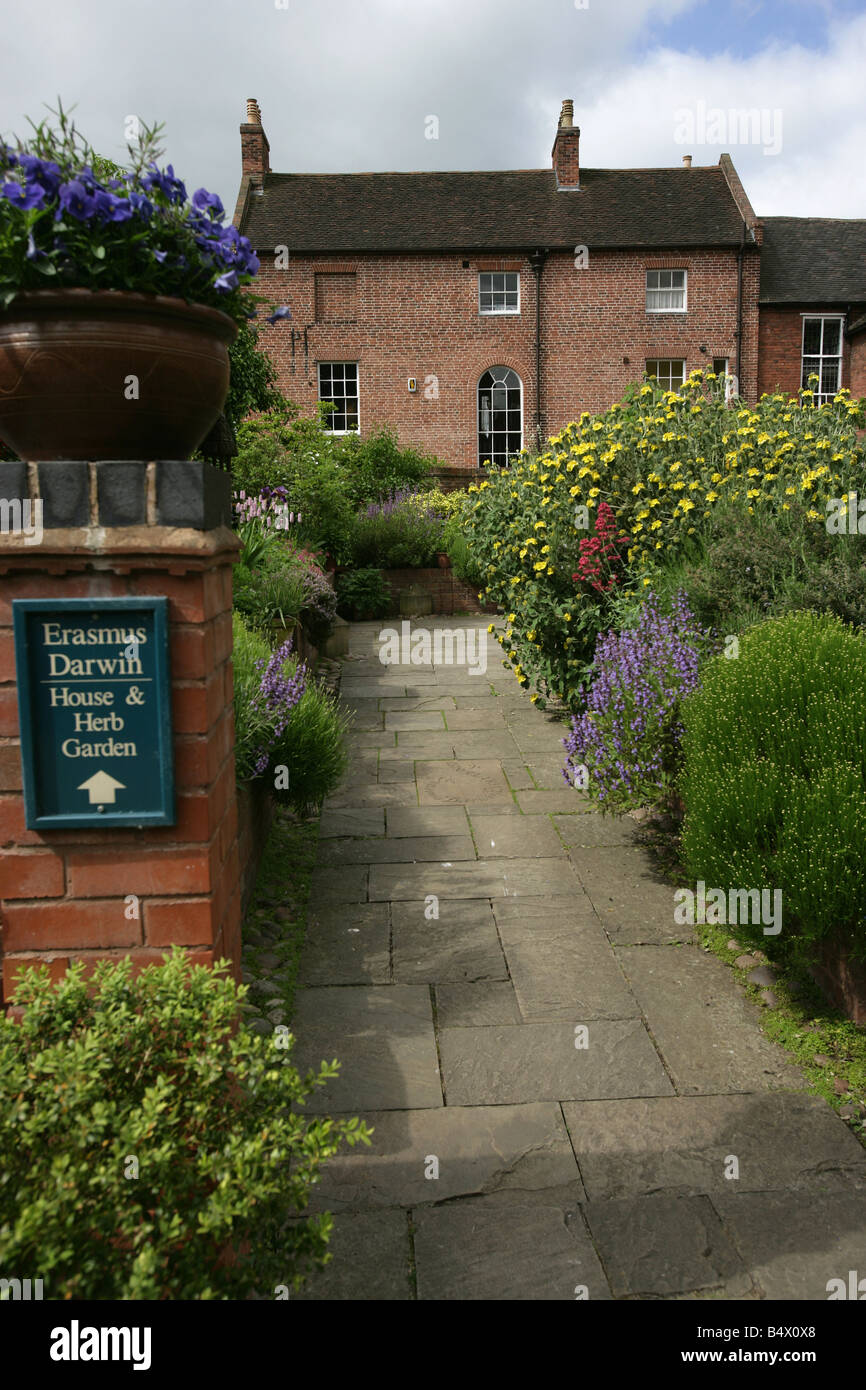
560 1080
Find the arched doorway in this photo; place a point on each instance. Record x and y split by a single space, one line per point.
500 415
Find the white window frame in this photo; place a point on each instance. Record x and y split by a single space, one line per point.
491 291
671 386
658 289
496 367
357 398
726 373
822 357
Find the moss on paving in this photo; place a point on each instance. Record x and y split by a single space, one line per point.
276 923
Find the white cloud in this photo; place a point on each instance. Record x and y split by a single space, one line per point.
347 86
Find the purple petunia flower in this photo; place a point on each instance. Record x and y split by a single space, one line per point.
76 201
227 281
212 202
31 195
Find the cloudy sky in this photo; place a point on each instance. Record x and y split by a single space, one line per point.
347 85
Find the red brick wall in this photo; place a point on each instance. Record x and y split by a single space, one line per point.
417 316
857 364
780 350
63 893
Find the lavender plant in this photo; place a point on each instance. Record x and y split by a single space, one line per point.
628 737
401 530
265 694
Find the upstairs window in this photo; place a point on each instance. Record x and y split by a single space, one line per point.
338 385
499 292
665 291
822 355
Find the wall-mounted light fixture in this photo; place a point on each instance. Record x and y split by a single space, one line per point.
412 383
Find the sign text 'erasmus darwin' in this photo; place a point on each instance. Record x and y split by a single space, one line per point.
94 711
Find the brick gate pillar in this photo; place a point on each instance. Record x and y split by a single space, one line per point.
114 530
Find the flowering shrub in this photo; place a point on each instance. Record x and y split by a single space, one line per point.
661 462
601 563
265 693
319 608
270 508
629 736
69 218
405 528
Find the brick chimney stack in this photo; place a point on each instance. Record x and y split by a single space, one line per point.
566 149
255 150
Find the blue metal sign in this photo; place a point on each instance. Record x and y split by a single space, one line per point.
94 709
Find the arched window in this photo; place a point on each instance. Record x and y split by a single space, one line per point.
500 416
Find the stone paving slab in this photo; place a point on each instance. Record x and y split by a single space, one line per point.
633 905
392 770
347 945
704 1026
518 775
561 970
370 1261
414 720
539 1061
349 886
478 1249
412 821
367 820
515 916
564 800
477 879
513 837
486 718
411 849
467 1006
477 1150
462 946
658 1247
681 1145
483 743
417 702
593 830
479 780
383 1038
794 1247
374 794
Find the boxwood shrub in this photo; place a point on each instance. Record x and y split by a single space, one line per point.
153 1147
774 779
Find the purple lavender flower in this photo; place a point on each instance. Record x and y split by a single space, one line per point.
629 734
277 696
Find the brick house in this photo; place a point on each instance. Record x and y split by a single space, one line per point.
475 312
813 292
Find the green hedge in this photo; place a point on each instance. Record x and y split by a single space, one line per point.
774 780
152 1147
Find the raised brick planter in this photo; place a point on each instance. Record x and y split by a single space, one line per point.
449 594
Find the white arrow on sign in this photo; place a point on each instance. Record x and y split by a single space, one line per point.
101 787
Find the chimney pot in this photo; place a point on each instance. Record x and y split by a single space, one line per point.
566 119
687 161
255 150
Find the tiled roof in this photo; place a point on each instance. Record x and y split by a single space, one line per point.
510 209
808 260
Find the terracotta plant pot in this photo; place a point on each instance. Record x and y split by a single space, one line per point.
444 560
104 374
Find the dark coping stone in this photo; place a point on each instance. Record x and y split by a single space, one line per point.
65 491
121 489
192 493
13 481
